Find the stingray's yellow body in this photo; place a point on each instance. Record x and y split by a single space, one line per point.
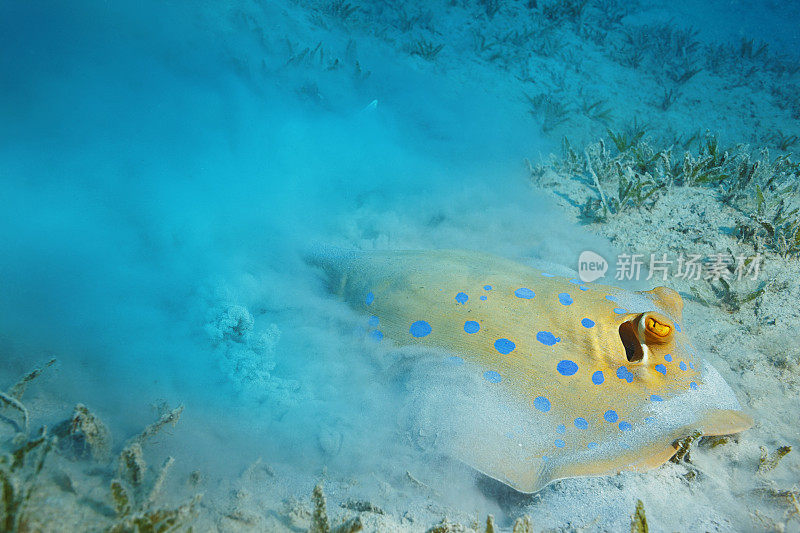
593 379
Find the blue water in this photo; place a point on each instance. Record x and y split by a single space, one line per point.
166 166
150 185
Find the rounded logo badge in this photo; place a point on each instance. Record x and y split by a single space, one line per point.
591 266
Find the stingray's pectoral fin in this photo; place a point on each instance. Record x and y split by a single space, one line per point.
527 476
640 459
724 422
516 462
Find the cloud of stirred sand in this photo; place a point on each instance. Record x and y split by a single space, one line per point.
156 207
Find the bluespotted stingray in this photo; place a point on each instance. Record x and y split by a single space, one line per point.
593 379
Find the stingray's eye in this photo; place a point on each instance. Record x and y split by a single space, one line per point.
655 328
643 332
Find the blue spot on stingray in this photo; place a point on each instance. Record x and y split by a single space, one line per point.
455 360
370 298
625 426
575 281
668 358
487 287
542 404
547 338
691 365
610 298
677 327
524 292
598 377
504 346
682 365
462 298
420 328
587 322
583 288
374 321
545 458
548 275
492 377
656 398
624 373
693 385
611 416
592 445
566 367
470 326
581 423
565 298
483 297
561 429
560 443
661 368
649 420
620 310
376 335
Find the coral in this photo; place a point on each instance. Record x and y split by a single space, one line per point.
548 111
131 465
446 526
634 172
715 440
782 140
235 322
19 471
19 388
777 224
564 11
9 401
491 7
84 435
490 528
13 398
683 446
134 502
768 461
764 190
340 9
319 519
639 520
362 506
728 297
245 353
426 49
597 110
670 96
523 524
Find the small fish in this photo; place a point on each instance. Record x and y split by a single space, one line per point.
592 379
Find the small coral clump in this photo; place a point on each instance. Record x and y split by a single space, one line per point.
246 356
84 435
769 461
639 520
319 519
